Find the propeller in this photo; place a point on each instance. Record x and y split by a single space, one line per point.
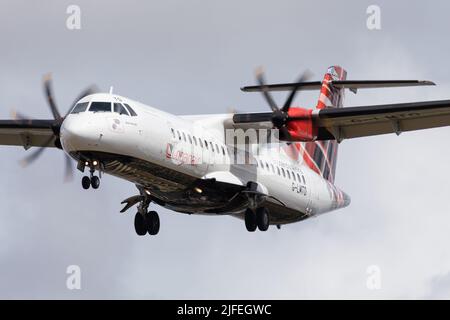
280 117
56 126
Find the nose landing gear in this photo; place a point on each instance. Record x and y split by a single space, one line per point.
93 180
86 182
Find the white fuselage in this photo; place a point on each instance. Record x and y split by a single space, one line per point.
176 146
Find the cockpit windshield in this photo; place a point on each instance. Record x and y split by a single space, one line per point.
120 109
103 106
80 107
100 107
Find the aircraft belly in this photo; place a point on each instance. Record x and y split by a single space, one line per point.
170 188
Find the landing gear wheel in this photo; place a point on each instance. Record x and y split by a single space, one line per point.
140 224
250 220
86 182
152 221
95 182
262 218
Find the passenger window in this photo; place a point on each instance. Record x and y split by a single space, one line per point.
267 166
223 150
100 107
133 114
303 178
201 143
206 145
272 167
298 178
278 170
195 140
190 139
211 145
288 174
261 164
184 137
284 174
293 176
179 135
80 107
217 148
173 132
120 109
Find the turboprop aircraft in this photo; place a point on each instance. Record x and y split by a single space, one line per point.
269 168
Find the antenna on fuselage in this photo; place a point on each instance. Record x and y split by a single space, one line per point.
111 90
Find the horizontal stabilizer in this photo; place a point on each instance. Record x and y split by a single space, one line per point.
352 85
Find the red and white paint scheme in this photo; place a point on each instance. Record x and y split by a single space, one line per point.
195 164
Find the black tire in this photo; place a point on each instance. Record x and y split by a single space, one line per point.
250 220
152 221
86 182
262 218
139 225
95 182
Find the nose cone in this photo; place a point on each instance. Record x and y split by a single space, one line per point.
81 133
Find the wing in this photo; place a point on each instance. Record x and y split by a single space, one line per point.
27 133
354 122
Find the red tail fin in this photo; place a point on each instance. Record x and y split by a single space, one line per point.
329 95
321 156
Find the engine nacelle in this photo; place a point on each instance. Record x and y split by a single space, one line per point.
302 130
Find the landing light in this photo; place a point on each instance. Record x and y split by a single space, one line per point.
147 192
198 190
95 162
86 163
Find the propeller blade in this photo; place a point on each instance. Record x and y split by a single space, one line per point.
15 115
292 148
68 174
36 153
49 96
303 77
265 90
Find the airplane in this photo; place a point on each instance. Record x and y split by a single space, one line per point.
266 168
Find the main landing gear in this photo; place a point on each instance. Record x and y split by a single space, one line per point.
144 221
149 222
258 218
93 180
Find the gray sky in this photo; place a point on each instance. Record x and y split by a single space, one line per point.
192 57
